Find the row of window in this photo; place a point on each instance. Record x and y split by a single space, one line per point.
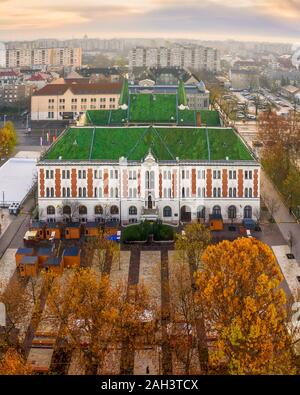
84 100
132 192
167 211
114 174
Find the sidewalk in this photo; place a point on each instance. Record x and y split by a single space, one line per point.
284 220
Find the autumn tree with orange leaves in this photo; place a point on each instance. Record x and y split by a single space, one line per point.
245 308
12 363
94 317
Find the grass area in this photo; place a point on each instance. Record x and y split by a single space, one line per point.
97 117
224 144
106 117
75 143
155 108
210 118
134 143
189 118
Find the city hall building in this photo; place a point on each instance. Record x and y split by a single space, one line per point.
121 167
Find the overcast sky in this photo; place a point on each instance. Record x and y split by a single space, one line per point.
260 20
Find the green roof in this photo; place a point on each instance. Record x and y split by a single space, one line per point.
134 143
141 115
154 108
182 99
124 92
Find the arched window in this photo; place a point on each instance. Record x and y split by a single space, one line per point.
183 192
98 210
50 210
215 192
234 192
111 192
82 210
231 212
116 192
67 210
250 192
187 192
68 192
52 192
217 210
47 192
248 212
134 192
95 192
84 192
132 210
201 212
230 192
169 192
199 192
100 192
80 192
167 211
114 210
64 192
246 192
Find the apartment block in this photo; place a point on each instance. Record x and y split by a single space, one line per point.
196 57
43 56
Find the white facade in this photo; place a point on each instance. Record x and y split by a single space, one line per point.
197 57
43 56
2 55
149 189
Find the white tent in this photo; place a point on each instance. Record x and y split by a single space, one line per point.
17 176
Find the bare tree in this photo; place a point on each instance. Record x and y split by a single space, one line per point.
72 213
272 205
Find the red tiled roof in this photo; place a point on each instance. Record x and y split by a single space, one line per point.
10 73
79 89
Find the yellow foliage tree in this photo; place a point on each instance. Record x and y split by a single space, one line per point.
12 363
191 244
245 308
8 139
95 317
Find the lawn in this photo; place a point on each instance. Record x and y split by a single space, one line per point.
75 143
154 108
223 143
134 144
97 117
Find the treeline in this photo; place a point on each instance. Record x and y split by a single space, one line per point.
280 153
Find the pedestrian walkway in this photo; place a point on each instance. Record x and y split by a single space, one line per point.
286 222
7 268
289 268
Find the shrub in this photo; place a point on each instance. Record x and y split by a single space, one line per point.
163 232
136 232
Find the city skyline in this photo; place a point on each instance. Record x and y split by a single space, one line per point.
250 20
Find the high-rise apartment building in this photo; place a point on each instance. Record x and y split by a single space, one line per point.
43 56
194 57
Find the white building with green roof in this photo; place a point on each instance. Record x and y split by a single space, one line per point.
133 172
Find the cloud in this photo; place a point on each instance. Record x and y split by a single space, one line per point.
214 18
